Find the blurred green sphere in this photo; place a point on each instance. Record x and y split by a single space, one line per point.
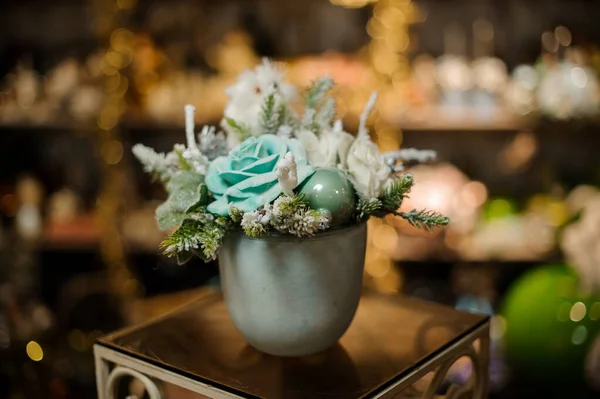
550 325
328 189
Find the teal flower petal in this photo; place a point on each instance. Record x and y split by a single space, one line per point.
247 177
219 207
273 144
233 177
241 163
213 181
296 147
265 165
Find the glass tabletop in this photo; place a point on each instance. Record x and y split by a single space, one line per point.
388 338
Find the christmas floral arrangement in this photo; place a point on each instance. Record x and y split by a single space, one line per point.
277 170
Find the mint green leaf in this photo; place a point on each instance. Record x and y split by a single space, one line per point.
187 191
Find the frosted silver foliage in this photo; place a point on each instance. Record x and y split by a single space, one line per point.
162 166
186 191
212 144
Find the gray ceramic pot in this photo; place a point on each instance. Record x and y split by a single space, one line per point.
290 296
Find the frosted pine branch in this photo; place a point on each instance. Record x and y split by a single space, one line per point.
236 214
317 91
269 116
212 144
408 157
256 224
367 207
291 215
392 197
326 113
203 238
308 119
424 219
159 165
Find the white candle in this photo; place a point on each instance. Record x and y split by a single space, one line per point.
189 126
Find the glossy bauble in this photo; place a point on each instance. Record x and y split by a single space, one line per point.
550 326
328 189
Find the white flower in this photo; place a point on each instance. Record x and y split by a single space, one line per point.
367 167
249 218
248 94
255 224
329 149
264 215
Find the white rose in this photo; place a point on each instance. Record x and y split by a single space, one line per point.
247 96
367 168
330 149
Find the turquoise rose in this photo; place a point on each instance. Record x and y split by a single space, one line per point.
247 176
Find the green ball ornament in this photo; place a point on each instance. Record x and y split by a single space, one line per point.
550 328
328 189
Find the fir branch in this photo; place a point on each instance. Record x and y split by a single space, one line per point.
309 120
408 157
285 116
239 128
316 92
269 117
424 219
326 113
193 236
392 197
320 109
159 165
291 215
236 214
367 207
255 230
287 204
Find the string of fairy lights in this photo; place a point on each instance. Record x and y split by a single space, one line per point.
388 29
119 54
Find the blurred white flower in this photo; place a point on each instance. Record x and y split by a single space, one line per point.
367 167
580 243
329 149
248 94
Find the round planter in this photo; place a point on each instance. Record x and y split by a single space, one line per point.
292 296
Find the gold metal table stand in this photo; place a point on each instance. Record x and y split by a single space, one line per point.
396 347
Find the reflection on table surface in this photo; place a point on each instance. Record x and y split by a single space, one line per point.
388 337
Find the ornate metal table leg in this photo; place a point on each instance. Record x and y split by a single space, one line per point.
101 373
106 382
484 354
477 383
118 372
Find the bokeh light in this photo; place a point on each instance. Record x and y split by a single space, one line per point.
34 351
